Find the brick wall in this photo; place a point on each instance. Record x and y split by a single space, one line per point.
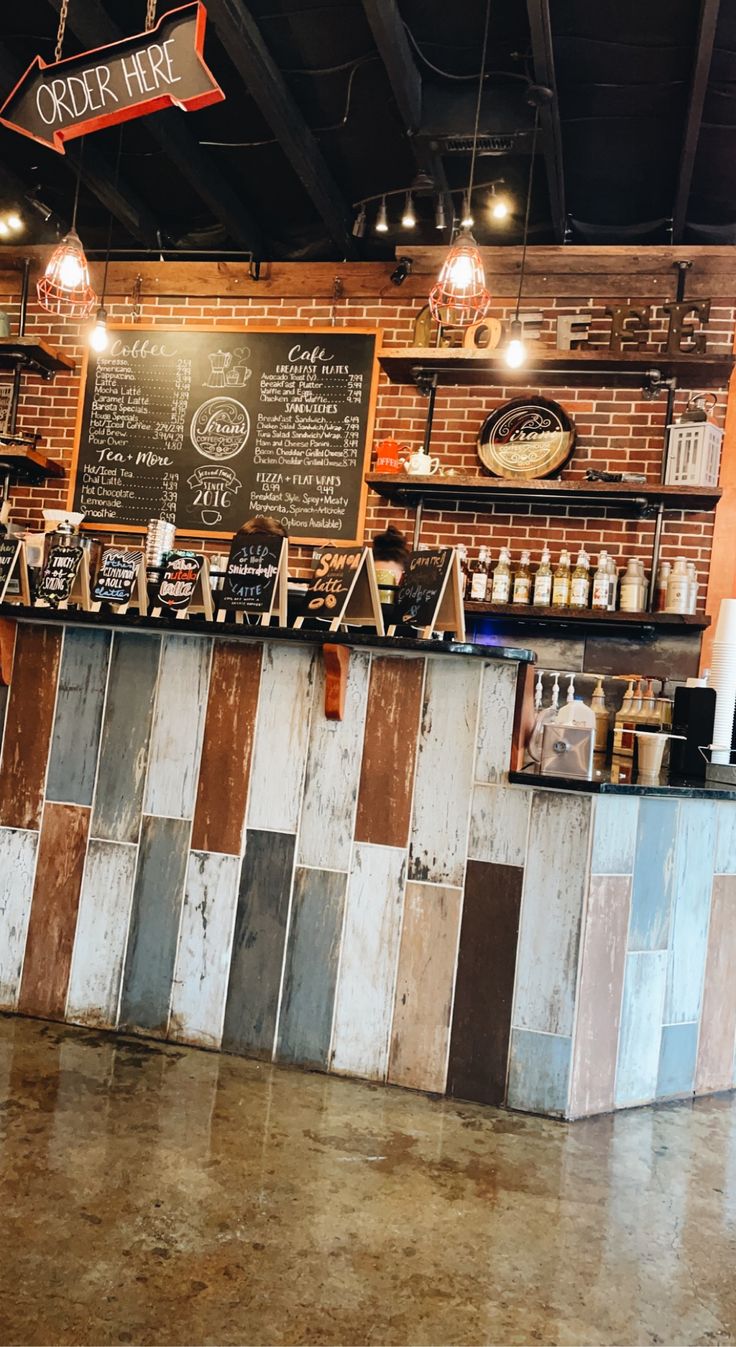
616 429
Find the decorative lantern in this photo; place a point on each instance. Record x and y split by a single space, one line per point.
64 287
460 296
694 446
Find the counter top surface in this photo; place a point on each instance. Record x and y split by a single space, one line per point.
601 784
356 638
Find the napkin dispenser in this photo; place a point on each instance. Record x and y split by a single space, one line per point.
567 750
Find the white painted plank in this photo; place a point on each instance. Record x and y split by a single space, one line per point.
282 736
499 823
444 773
693 882
614 835
365 989
496 721
333 772
176 737
645 984
17 868
102 933
203 953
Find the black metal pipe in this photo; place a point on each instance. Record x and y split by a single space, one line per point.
12 419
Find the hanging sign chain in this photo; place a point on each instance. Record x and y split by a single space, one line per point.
63 11
150 14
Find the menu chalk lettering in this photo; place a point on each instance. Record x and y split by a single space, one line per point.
117 576
343 589
10 549
179 582
255 566
429 594
58 575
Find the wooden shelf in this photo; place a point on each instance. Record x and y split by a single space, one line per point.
479 492
550 369
33 356
28 465
588 618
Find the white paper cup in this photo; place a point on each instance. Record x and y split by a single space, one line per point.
726 624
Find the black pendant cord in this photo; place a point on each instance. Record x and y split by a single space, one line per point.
526 214
108 247
75 207
479 98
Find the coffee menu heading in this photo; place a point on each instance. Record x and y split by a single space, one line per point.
207 428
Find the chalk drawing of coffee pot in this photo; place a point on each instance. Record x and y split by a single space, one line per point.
238 372
220 361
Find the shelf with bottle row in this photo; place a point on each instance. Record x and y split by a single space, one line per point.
468 491
589 618
554 369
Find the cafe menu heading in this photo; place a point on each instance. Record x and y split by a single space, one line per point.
208 428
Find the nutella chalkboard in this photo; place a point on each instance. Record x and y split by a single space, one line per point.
179 582
253 567
208 428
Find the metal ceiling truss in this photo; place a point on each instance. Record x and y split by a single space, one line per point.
701 69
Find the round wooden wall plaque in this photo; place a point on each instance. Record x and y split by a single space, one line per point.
528 437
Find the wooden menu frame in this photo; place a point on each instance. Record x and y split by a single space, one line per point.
324 329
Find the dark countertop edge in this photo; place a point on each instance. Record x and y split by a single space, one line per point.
195 625
688 790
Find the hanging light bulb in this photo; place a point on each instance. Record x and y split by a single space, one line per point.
359 223
14 221
499 205
515 353
382 218
460 295
64 287
467 220
439 214
408 219
99 337
4 229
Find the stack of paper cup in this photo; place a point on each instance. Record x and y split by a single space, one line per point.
160 536
723 679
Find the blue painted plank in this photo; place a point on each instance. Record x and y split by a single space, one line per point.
654 867
693 882
154 924
178 726
637 1068
725 861
310 976
79 702
677 1060
614 835
126 727
539 1072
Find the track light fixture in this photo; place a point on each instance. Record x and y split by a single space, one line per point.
382 218
439 214
467 220
359 224
499 205
408 219
402 270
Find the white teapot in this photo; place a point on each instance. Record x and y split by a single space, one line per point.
421 465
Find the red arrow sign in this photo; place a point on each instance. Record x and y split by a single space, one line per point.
141 74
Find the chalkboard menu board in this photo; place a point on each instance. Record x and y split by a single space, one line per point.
252 570
208 428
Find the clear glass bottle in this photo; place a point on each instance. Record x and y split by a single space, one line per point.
678 587
580 581
462 553
542 596
501 590
601 584
561 581
633 587
692 575
478 572
663 576
613 585
522 591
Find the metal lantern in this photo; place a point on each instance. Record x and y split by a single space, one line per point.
460 296
64 287
694 446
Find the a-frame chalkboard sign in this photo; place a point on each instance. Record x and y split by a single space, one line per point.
343 590
429 595
184 588
65 579
256 579
13 566
121 581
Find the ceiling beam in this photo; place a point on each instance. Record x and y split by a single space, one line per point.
93 27
549 113
242 40
701 69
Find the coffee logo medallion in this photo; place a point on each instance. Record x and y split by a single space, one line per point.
528 437
220 428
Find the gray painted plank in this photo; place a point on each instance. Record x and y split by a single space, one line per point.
614 835
312 956
444 772
126 727
17 869
257 960
154 925
333 773
281 738
725 861
496 721
203 953
654 866
102 932
499 824
178 726
79 701
693 882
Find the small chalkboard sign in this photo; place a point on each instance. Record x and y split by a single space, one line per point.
256 578
429 594
65 578
121 580
343 589
13 566
184 587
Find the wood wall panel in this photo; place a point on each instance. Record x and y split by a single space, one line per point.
678 1050
654 868
178 725
203 953
715 1064
640 1038
444 772
484 987
79 703
28 725
499 824
310 975
224 774
614 835
424 987
389 751
539 1072
365 990
102 933
154 926
496 720
603 961
259 941
333 773
282 737
61 853
126 728
693 882
17 869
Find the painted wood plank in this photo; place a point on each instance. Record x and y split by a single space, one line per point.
203 954
420 1029
654 868
282 737
333 773
484 989
714 1069
677 1060
645 981
603 962
692 885
496 720
366 983
725 860
224 773
539 1072
17 868
48 956
614 835
444 771
102 933
76 736
154 926
259 943
551 912
28 725
389 751
126 729
310 975
178 725
499 824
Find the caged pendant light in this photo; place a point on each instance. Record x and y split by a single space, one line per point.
460 296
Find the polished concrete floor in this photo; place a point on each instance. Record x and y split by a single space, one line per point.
163 1195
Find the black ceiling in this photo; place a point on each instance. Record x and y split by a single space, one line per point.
330 101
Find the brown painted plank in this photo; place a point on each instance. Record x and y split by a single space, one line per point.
28 725
53 922
421 1024
224 774
715 1063
389 751
599 996
481 1020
